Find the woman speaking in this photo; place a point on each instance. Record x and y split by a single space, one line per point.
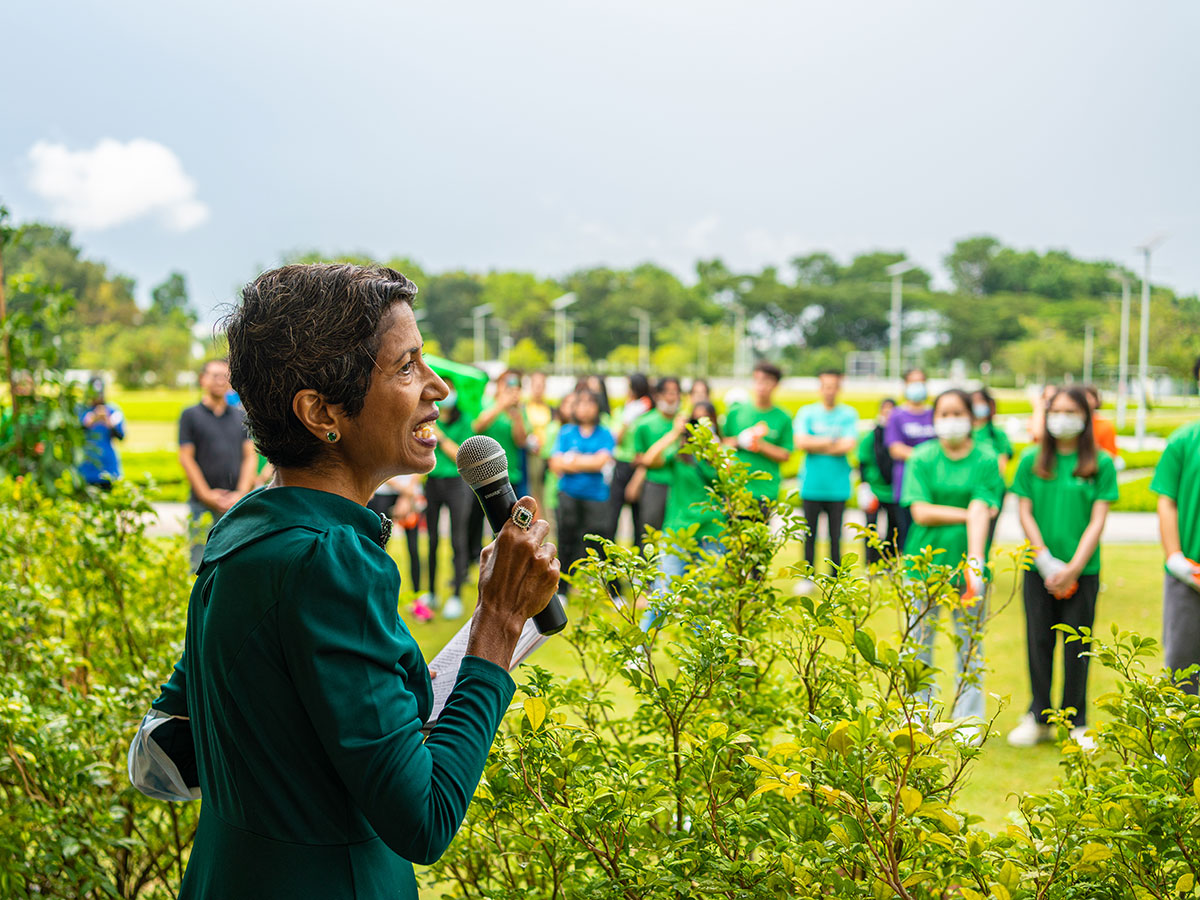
305 692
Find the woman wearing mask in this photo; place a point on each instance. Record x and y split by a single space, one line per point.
953 488
1065 485
910 425
875 493
444 489
581 453
983 412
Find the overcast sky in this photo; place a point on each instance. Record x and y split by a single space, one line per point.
212 138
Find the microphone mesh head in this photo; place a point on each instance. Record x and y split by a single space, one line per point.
481 459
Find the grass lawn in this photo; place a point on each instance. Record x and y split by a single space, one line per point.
1130 597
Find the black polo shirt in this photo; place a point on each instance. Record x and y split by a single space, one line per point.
218 443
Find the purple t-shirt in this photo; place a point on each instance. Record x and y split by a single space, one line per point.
909 428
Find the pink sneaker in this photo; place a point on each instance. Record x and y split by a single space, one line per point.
421 612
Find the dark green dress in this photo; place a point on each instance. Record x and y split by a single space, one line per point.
307 695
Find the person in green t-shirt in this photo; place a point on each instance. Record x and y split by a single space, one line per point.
875 492
688 497
655 481
1177 483
983 412
503 419
1065 486
953 488
638 402
444 489
762 432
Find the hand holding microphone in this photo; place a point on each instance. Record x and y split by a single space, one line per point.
518 569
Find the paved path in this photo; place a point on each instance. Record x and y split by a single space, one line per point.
1122 527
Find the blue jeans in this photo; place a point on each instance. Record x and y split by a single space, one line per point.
675 565
970 700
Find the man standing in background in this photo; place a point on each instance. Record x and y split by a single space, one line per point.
827 432
216 454
762 432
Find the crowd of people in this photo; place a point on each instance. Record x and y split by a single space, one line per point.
931 472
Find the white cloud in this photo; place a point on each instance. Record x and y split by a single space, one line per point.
114 183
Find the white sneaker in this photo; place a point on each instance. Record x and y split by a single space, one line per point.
1029 732
804 587
453 608
1079 735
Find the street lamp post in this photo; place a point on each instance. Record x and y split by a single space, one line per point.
896 271
1123 361
1144 342
563 332
643 318
1089 331
479 313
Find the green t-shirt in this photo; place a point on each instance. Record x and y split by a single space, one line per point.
646 432
501 431
932 477
628 417
1178 477
779 433
869 466
1062 505
444 466
685 501
995 440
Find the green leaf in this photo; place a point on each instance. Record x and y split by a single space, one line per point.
865 646
910 800
535 711
1186 884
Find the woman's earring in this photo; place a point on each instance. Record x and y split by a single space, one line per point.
331 436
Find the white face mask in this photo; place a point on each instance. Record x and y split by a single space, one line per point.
954 429
1064 425
668 409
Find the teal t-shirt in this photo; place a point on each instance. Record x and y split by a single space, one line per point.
1062 504
932 477
826 476
779 433
1178 476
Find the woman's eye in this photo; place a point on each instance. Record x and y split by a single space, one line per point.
406 369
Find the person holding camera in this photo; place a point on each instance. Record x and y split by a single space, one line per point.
103 422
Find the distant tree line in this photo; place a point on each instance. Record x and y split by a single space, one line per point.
1022 312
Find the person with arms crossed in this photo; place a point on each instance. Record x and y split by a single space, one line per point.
216 454
303 692
762 433
953 488
827 432
1065 486
1177 483
909 426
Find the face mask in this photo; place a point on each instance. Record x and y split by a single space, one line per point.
450 401
981 410
668 409
1064 425
916 392
954 429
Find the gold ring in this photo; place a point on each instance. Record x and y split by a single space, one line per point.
522 517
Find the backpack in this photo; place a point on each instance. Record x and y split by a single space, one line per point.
883 459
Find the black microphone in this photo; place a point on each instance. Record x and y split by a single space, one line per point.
484 467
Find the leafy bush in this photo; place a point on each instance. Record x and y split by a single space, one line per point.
1136 496
93 615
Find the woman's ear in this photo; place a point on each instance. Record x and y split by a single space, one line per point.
323 419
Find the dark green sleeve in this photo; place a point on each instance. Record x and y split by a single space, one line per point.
173 699
866 457
342 639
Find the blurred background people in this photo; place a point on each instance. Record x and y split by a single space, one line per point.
638 402
875 493
445 490
1065 486
827 432
103 423
400 499
761 432
538 413
1105 430
699 392
652 483
909 426
582 453
502 419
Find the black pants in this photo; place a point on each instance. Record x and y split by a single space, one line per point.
654 505
382 504
887 535
1042 612
904 522
616 500
452 495
577 518
833 511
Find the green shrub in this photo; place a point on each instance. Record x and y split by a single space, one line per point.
93 615
1136 496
